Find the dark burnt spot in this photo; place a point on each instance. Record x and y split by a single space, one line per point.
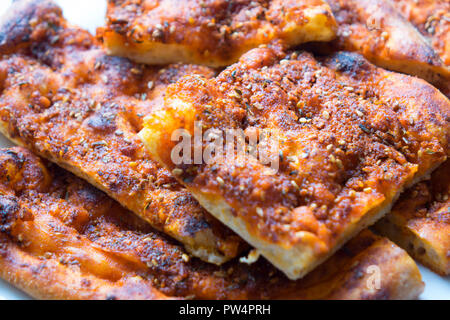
8 212
16 157
351 63
15 28
194 225
101 123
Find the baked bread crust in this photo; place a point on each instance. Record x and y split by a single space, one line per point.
384 36
420 221
214 33
60 238
64 98
432 19
351 137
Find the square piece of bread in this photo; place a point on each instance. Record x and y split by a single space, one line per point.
385 37
63 97
211 32
420 221
350 138
87 246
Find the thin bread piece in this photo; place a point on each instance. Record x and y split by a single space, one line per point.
60 238
411 37
384 36
63 97
350 137
420 221
212 32
432 19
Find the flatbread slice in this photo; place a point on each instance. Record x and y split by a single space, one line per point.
384 36
60 238
420 221
432 19
214 33
350 138
63 97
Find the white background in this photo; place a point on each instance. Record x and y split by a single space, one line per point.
90 14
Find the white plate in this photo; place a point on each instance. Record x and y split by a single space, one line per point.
89 14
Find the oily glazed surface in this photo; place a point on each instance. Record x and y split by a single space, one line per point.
432 19
60 238
420 221
63 97
212 32
352 136
383 34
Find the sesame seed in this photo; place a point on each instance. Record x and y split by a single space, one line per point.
150 84
185 257
368 189
326 115
220 181
259 212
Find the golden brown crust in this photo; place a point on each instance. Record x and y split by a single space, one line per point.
64 98
420 221
352 136
62 239
432 19
211 32
377 30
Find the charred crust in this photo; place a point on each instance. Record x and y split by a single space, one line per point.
9 209
20 21
350 63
